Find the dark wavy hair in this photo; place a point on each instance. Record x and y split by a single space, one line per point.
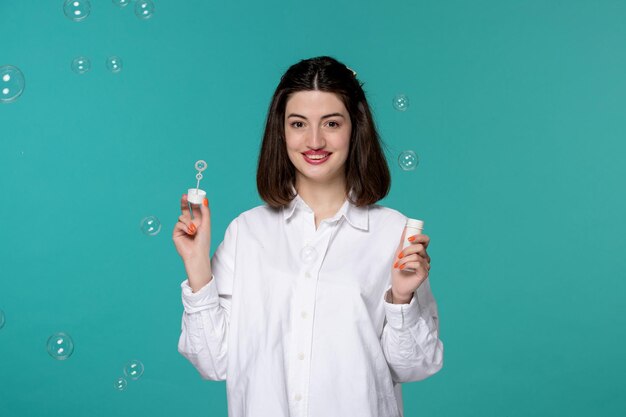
366 170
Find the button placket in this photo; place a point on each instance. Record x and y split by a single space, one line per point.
304 301
311 254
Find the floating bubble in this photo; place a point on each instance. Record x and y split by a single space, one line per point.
81 65
120 384
122 3
401 102
408 160
150 225
11 83
133 369
60 346
2 320
308 254
76 10
114 64
144 9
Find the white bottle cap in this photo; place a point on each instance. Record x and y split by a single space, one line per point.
196 195
414 223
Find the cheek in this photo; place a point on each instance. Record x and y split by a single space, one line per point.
292 153
292 140
345 143
347 136
344 159
289 143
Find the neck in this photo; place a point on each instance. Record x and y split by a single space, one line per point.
322 197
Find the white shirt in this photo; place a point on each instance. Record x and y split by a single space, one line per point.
296 321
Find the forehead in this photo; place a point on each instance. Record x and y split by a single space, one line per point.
314 102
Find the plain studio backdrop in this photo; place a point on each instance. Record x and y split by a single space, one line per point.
517 114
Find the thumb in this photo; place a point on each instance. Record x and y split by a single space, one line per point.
205 226
401 243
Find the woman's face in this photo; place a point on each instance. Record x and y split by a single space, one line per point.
317 133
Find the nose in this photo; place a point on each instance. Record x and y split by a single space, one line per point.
315 139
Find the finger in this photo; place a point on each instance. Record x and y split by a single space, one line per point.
411 249
190 224
420 238
205 226
408 259
197 216
182 228
184 205
415 265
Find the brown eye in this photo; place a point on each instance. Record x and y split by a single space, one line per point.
333 124
297 124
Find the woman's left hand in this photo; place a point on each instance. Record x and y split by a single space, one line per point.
410 269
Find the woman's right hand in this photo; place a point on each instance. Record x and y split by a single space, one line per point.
192 239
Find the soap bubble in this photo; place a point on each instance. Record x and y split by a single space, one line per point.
122 3
11 83
81 65
408 160
150 226
133 369
144 9
76 10
60 346
2 320
114 64
120 384
308 254
401 102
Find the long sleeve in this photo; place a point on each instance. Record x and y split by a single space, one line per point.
206 317
410 338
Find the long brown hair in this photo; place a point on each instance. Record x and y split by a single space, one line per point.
366 170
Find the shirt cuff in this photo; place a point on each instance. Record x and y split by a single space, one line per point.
204 299
400 316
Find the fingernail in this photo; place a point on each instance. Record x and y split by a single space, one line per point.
395 265
402 266
400 255
411 239
206 202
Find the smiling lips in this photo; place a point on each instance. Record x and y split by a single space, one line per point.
316 158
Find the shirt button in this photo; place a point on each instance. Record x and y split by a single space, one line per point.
298 397
303 314
301 356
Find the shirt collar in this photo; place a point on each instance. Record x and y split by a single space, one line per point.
357 217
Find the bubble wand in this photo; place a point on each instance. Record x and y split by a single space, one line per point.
196 195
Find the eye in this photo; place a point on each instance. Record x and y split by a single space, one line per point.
297 124
333 124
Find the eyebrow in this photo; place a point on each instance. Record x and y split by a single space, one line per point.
323 117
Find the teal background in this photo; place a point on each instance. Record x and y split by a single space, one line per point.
517 112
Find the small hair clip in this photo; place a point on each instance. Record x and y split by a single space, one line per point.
353 71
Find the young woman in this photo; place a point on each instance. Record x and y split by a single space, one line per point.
309 307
